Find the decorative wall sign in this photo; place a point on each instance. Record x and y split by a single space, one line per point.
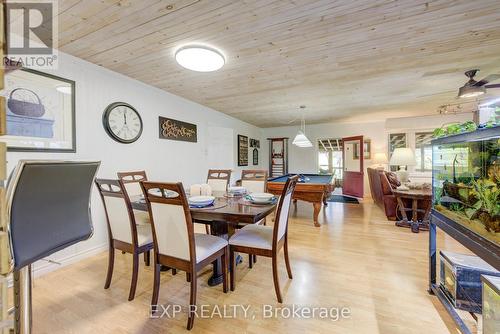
40 112
255 156
177 130
242 150
122 122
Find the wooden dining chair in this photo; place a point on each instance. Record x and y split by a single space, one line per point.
255 181
175 243
124 234
218 179
266 240
132 180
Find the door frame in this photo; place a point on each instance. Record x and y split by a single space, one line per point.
361 162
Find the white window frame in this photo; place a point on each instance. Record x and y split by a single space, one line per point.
415 174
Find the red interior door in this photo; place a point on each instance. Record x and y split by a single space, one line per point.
352 161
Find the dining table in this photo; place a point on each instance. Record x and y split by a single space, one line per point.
225 216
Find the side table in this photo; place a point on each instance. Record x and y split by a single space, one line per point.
423 196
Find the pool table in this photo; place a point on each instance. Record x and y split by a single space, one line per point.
313 188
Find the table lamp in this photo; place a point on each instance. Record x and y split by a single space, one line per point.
402 157
380 159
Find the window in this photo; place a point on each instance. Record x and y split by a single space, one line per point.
330 157
423 151
396 140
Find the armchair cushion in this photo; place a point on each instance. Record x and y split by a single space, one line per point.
393 179
207 245
255 236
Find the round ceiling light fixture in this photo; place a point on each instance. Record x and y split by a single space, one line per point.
200 58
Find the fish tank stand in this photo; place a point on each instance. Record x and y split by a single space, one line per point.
481 245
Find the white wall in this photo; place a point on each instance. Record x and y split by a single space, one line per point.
305 160
164 160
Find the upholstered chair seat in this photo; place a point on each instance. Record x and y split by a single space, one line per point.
255 236
207 245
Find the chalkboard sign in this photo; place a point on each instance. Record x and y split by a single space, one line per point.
176 130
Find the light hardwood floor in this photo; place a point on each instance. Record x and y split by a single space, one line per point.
357 259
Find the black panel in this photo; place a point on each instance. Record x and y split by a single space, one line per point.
50 209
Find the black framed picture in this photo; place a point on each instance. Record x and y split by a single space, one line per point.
255 156
242 150
254 143
40 113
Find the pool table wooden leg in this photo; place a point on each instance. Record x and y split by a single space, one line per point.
317 209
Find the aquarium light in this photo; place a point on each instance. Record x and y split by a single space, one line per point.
489 103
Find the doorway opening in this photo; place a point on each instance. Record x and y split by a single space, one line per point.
343 158
330 159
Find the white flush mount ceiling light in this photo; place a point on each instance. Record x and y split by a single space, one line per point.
200 58
300 139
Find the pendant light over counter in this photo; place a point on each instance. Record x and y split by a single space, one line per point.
301 139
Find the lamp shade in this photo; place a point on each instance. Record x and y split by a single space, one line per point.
301 140
380 159
403 156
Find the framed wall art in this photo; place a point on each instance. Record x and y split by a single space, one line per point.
40 113
173 129
242 150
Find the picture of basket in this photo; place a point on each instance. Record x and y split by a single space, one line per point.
25 107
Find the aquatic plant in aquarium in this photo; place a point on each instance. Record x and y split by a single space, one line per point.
466 181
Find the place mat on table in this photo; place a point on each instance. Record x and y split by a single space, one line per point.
216 205
245 201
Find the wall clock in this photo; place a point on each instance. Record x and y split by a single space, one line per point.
122 122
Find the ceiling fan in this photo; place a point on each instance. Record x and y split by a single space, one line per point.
473 88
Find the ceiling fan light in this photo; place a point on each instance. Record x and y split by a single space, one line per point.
199 58
470 91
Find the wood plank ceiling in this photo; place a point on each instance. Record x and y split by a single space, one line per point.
345 59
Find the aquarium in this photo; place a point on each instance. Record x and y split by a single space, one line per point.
491 304
466 180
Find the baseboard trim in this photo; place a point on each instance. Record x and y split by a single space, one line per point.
47 267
